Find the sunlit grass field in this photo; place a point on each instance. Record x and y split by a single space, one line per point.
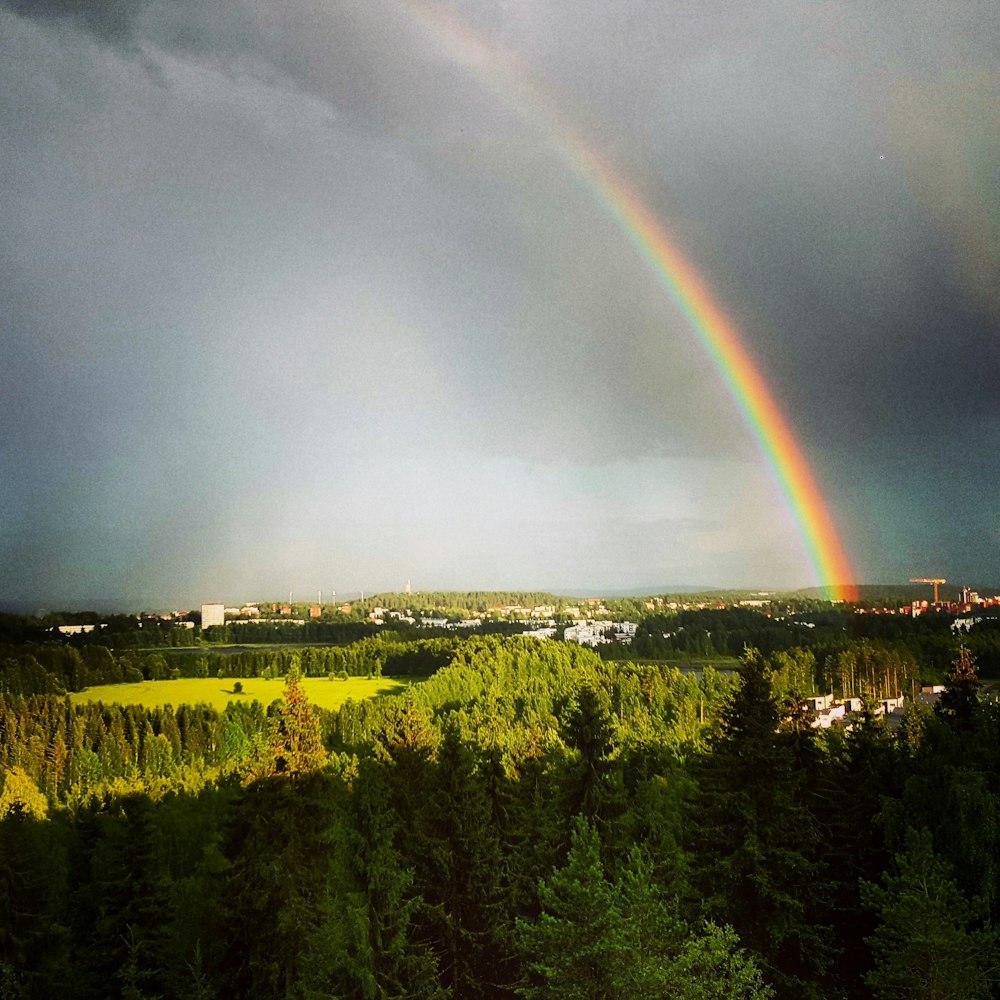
218 693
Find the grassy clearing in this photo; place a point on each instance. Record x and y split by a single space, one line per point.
218 693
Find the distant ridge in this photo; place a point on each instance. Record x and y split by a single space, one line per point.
869 594
638 591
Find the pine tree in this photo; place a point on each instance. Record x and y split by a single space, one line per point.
597 939
593 782
754 842
960 698
295 745
374 954
278 844
651 931
929 943
713 966
461 875
122 946
574 947
865 773
34 944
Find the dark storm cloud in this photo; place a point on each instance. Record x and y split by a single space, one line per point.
112 21
179 25
359 57
850 250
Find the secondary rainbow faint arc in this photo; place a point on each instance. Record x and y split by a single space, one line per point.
514 86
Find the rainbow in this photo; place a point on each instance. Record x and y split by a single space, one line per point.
513 84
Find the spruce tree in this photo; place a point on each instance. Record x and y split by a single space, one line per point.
462 875
754 842
593 782
960 698
295 745
374 953
930 943
278 845
574 947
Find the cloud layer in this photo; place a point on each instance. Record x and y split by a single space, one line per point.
293 298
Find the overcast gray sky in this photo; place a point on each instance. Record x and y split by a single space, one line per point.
294 297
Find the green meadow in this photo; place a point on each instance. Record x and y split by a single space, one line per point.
321 691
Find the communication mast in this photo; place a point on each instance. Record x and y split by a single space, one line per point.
929 579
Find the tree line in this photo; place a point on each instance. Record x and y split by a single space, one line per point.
55 668
927 640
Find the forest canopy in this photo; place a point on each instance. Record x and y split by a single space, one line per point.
530 820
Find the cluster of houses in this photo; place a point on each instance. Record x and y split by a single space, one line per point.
537 623
594 633
827 710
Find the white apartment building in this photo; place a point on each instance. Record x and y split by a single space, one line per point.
213 614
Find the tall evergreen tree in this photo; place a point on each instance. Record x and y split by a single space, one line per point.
374 952
930 943
864 774
960 698
592 780
295 745
754 842
34 941
278 845
462 876
597 939
573 949
122 948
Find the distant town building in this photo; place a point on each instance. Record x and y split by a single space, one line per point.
315 611
964 624
930 694
541 633
825 717
253 621
213 614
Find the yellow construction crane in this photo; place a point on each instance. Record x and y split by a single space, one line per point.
929 579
